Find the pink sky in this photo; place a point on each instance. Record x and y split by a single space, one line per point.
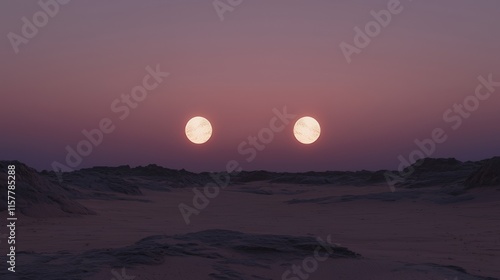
264 55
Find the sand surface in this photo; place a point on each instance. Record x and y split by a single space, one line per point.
407 238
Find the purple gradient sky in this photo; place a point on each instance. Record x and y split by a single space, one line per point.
265 54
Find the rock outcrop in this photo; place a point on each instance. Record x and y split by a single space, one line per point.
36 196
487 175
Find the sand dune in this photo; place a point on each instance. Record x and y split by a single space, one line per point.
260 226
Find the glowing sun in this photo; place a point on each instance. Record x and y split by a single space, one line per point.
306 130
198 130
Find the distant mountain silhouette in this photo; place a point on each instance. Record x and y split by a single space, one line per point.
41 194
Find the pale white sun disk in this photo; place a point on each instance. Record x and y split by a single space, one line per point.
306 130
198 130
